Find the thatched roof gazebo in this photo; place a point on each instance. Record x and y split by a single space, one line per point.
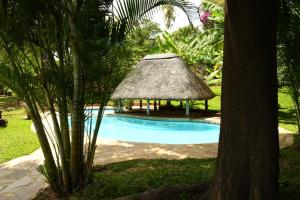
162 77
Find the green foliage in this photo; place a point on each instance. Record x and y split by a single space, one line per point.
169 15
184 34
216 17
7 102
142 40
16 139
201 49
218 2
60 56
4 90
131 177
286 111
289 179
288 43
3 123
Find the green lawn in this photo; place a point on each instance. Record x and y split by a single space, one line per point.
8 102
16 139
289 179
131 177
286 112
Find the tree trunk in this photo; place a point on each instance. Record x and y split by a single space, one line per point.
66 178
78 104
50 166
247 166
206 107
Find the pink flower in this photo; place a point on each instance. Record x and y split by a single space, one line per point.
204 16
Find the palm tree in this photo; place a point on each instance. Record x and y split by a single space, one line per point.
60 56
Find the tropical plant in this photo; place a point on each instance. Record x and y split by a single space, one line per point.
288 53
3 123
202 50
60 57
142 41
169 15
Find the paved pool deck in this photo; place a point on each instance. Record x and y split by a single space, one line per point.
19 179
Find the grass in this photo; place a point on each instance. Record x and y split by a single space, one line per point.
289 180
286 112
8 102
131 177
135 176
16 139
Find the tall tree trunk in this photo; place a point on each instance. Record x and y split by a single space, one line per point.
78 104
247 166
64 123
61 148
63 105
66 178
50 166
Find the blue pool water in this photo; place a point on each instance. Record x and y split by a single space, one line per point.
152 131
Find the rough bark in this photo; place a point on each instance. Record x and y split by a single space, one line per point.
247 166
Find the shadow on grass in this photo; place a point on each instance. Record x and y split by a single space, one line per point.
136 176
287 116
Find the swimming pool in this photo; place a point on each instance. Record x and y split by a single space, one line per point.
155 131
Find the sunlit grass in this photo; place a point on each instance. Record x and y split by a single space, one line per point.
16 139
131 177
286 112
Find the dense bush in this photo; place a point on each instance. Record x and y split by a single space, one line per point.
3 123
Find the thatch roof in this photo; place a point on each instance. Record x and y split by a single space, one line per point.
162 76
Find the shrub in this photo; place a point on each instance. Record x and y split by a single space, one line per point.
3 123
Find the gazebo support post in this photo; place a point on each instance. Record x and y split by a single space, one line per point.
180 104
168 104
130 102
141 104
155 107
187 108
206 106
148 107
119 104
